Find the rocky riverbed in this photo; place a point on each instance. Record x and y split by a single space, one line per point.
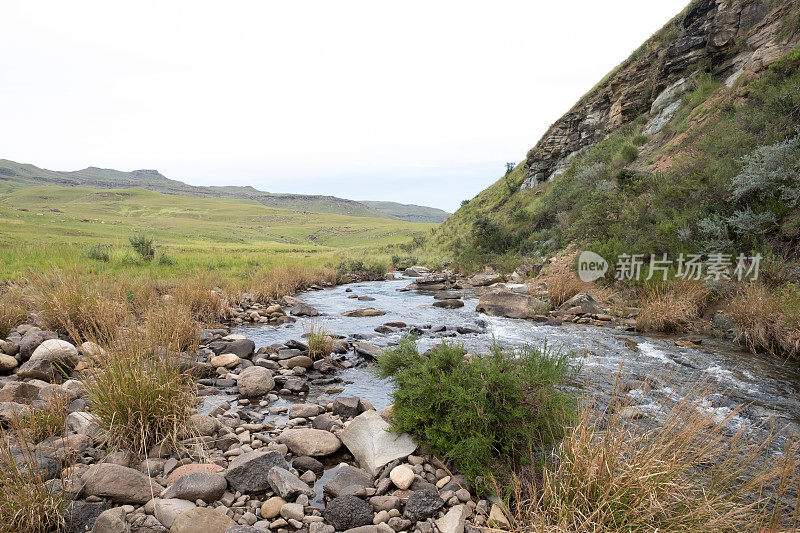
286 442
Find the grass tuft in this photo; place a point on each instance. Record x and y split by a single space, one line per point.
767 319
320 343
670 308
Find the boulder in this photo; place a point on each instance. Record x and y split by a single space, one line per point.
120 484
181 471
585 302
11 410
347 476
367 350
304 464
302 361
423 504
244 348
248 472
7 363
111 521
311 442
59 352
226 360
484 279
167 511
19 392
272 507
80 515
203 519
347 512
287 485
255 381
206 486
453 521
31 340
366 312
298 307
449 304
203 425
346 406
304 410
500 301
372 444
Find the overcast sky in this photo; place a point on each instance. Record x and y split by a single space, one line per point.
417 102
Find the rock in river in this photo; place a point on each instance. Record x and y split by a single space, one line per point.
311 442
361 313
372 444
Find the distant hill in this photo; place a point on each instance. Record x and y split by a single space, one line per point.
409 212
15 175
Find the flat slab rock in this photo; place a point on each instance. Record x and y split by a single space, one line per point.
372 444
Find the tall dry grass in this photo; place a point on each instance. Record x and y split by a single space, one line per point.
27 502
283 280
563 286
73 303
670 308
14 304
141 394
763 316
320 342
688 473
47 422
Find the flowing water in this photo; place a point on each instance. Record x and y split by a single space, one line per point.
655 371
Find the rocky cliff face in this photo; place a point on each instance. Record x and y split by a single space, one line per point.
729 37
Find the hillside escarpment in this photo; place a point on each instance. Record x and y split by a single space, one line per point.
728 38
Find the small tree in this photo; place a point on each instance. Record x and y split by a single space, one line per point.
143 245
509 167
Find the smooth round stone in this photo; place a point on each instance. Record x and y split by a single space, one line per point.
402 476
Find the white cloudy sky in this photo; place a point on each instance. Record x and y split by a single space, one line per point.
414 101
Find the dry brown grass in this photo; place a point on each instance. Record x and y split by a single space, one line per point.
764 317
320 343
202 296
14 303
562 282
171 325
688 473
27 503
282 280
45 423
140 394
79 305
672 307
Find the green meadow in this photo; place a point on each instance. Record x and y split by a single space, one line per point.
49 226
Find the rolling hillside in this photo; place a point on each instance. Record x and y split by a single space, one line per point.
15 175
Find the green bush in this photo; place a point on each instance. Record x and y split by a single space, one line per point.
629 153
640 140
98 252
351 270
482 411
143 245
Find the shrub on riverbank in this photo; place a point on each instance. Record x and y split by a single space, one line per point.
320 343
669 308
479 410
768 319
686 473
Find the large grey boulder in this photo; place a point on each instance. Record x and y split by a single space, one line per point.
244 348
372 444
311 442
255 381
51 358
80 515
31 340
120 484
201 519
453 521
287 485
167 511
248 472
298 307
587 304
9 411
347 512
206 486
345 478
501 301
111 521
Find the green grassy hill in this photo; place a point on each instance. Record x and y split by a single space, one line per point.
15 175
409 212
49 225
689 145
